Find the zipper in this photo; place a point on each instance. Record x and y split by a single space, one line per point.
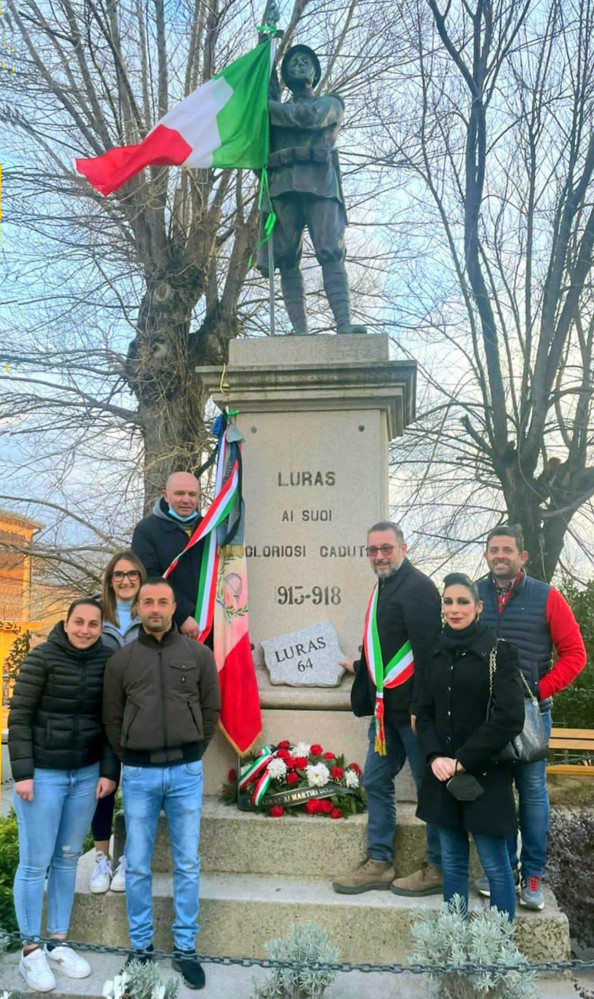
79 701
165 746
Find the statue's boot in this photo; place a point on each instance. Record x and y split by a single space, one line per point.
294 298
336 286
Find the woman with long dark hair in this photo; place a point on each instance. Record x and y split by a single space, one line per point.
468 712
61 763
124 575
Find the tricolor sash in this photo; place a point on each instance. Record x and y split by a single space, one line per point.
385 676
217 513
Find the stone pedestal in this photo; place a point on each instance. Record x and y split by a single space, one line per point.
317 414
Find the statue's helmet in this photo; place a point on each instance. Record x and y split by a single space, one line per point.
307 51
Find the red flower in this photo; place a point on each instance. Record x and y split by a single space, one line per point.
300 762
311 806
336 773
283 754
276 811
284 744
336 813
329 756
292 778
325 806
290 761
355 767
232 776
316 750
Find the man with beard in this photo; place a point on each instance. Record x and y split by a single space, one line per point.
402 627
537 620
161 702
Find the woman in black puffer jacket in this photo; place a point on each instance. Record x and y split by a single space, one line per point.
61 763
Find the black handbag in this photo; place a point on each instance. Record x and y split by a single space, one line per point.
531 744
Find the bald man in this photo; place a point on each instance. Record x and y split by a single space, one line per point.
164 534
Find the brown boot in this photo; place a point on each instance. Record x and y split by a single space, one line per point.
426 881
370 874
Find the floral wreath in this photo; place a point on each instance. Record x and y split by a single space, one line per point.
296 779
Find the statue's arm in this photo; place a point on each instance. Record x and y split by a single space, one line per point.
317 114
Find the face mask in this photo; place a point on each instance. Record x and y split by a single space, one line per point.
184 520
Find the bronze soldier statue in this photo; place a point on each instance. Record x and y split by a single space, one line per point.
306 190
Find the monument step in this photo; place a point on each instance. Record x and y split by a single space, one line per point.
337 730
251 843
240 912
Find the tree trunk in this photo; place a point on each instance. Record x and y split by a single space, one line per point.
159 371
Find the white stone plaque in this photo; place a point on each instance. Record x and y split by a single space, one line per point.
305 658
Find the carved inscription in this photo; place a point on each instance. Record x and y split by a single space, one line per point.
308 657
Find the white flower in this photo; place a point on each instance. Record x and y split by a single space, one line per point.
301 749
351 778
277 769
107 990
159 992
317 775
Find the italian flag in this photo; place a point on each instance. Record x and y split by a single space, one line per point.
224 123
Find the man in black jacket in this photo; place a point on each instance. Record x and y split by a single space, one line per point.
408 618
161 536
161 702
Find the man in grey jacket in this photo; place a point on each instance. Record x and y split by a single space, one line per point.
161 702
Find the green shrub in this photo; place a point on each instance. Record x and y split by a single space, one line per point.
570 870
9 859
141 981
308 943
574 706
447 937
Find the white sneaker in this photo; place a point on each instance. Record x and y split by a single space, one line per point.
68 961
101 876
118 881
36 971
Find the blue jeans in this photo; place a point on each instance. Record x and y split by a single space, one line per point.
494 857
531 782
378 779
52 829
178 791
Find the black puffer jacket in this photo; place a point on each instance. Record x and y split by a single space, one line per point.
55 711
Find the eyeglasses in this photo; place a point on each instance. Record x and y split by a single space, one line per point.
132 575
384 549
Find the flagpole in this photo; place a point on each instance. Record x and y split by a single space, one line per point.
271 280
269 21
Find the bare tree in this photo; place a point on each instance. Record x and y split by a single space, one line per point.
164 262
494 130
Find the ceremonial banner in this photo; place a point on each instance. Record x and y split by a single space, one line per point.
240 701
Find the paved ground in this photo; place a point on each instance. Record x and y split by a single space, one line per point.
236 983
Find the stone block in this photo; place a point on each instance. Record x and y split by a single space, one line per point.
305 658
249 843
338 731
239 912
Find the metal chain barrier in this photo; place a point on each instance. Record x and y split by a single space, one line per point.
466 968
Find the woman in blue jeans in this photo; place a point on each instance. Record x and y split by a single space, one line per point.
62 764
462 729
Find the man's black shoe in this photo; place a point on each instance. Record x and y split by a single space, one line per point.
192 971
143 956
